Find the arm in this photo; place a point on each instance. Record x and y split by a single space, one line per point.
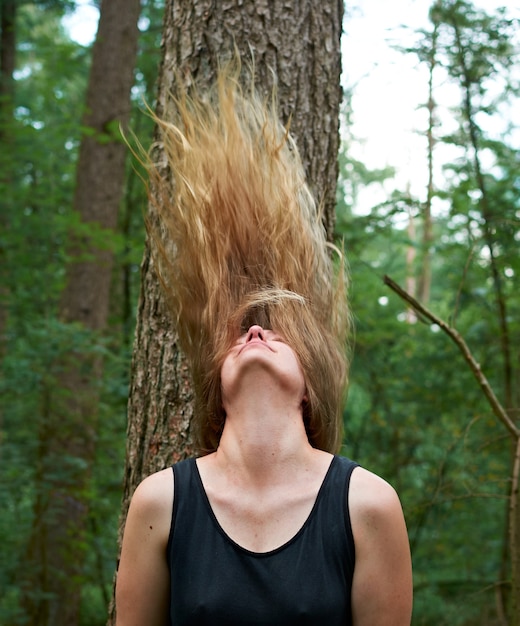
143 579
382 585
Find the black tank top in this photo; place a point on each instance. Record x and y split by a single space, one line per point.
216 582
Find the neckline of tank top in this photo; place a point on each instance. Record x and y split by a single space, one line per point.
283 546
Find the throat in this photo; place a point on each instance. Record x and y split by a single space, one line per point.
262 442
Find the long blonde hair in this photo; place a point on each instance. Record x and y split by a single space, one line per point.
238 240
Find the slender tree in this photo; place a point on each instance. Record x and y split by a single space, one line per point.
476 51
52 577
296 46
7 58
427 218
473 61
7 67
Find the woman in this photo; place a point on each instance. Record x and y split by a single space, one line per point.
267 525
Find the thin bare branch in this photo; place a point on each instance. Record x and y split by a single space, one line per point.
455 336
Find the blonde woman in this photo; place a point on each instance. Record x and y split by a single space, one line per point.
267 526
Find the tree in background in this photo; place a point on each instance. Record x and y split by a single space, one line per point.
477 52
415 413
9 10
46 127
40 164
51 578
68 436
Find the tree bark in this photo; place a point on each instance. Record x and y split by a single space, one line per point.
7 67
427 237
53 573
7 57
298 41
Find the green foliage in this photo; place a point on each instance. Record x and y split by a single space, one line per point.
416 416
37 179
415 413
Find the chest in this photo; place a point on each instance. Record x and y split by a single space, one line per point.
262 522
287 588
305 581
218 580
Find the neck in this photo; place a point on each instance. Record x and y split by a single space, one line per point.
263 432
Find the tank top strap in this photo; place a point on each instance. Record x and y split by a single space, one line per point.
331 509
340 473
184 493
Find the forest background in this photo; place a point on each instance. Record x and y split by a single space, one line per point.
416 413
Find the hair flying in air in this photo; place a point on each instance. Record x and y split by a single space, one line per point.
237 239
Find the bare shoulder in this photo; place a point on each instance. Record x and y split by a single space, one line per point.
150 512
371 497
154 493
382 584
142 589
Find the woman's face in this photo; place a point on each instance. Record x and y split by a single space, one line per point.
261 355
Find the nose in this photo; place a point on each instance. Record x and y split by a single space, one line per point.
255 332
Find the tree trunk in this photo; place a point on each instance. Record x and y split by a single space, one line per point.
7 58
7 67
411 282
503 321
427 237
514 539
53 573
298 41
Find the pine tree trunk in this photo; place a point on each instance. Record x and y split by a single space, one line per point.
427 219
7 67
503 316
7 58
299 42
514 539
53 571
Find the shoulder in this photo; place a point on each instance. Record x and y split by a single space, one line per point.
371 497
154 495
142 589
375 510
382 585
155 485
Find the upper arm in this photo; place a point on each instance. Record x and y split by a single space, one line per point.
382 584
143 580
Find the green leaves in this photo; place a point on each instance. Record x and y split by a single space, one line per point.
415 413
37 227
